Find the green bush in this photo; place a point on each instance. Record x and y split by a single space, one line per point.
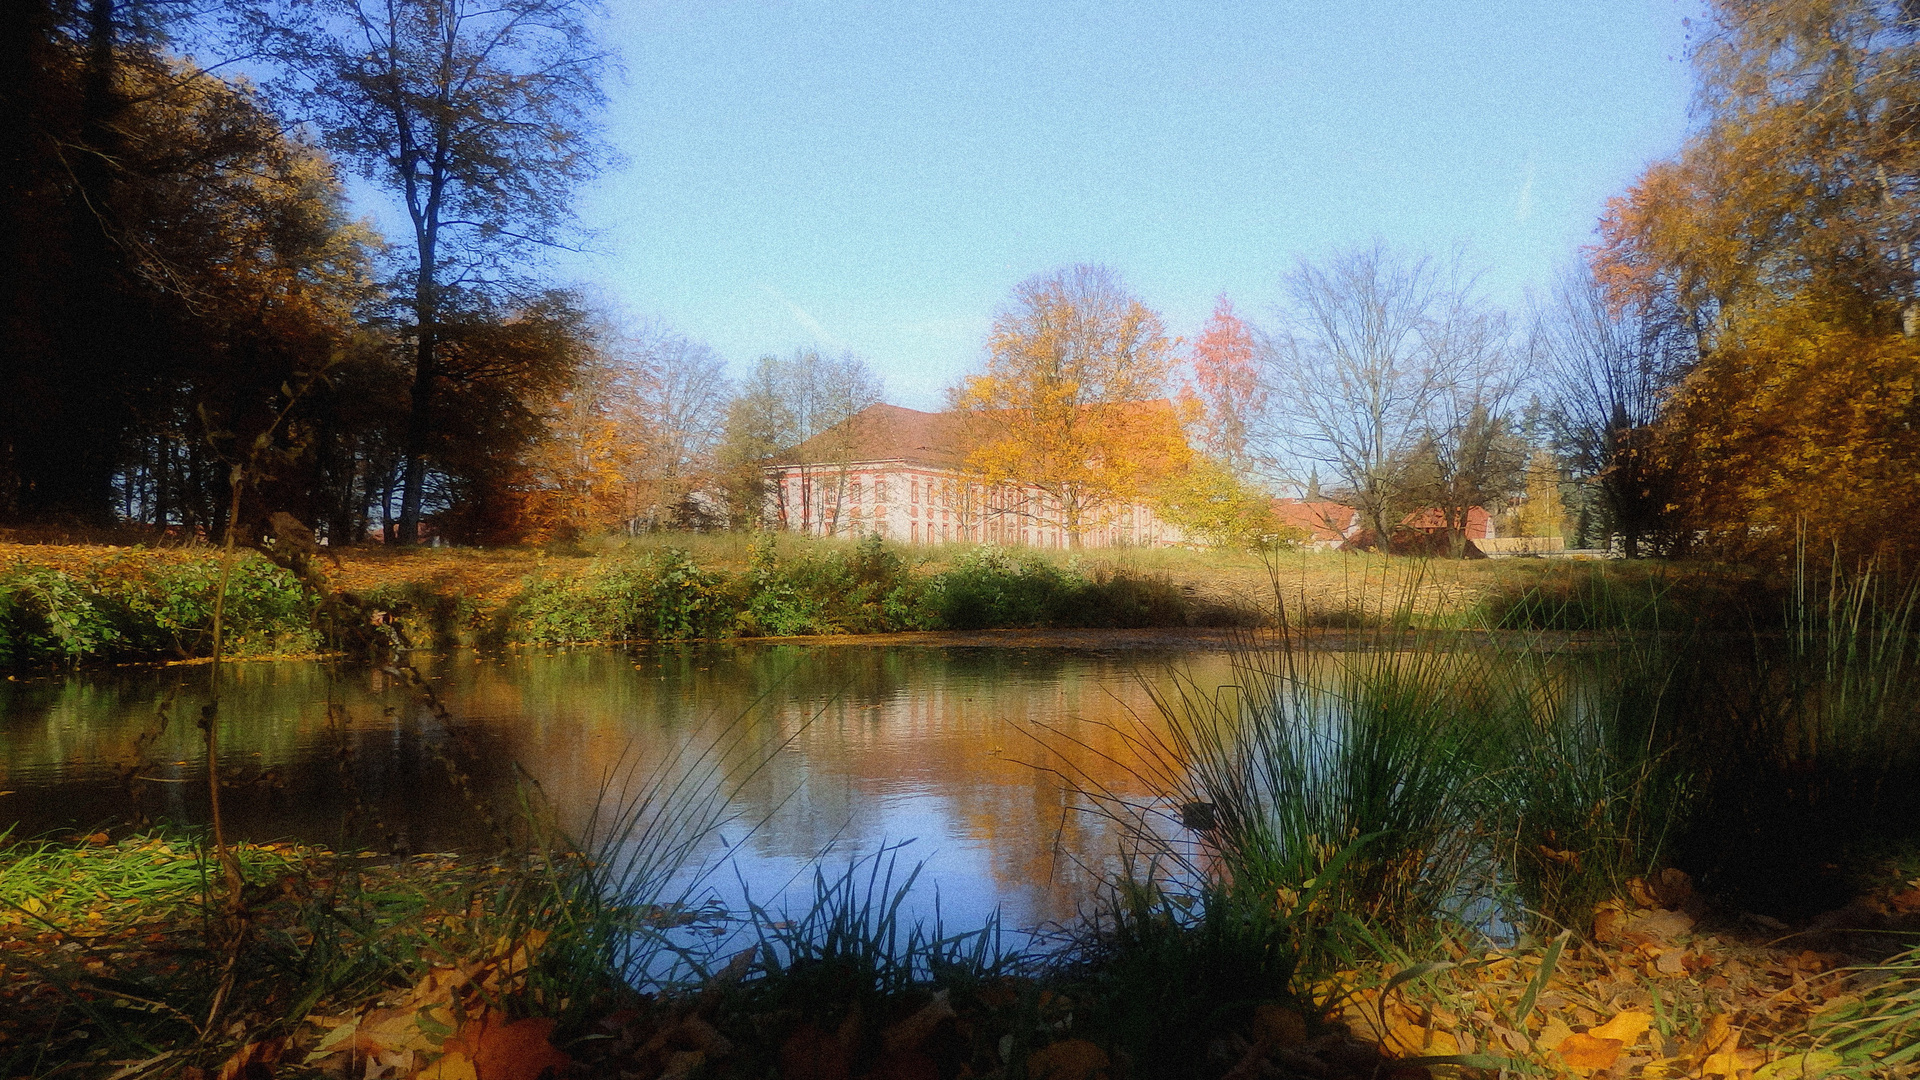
48 614
873 590
991 587
656 597
170 609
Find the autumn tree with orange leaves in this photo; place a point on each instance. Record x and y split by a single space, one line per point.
1226 385
1783 237
1072 400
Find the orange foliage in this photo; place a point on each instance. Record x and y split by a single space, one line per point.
1228 383
1805 417
1783 234
1067 401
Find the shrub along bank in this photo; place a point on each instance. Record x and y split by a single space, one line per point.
132 604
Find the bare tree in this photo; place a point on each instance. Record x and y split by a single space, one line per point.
680 392
1365 355
1608 369
477 115
1473 454
809 396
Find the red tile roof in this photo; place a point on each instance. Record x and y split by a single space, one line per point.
890 433
1321 519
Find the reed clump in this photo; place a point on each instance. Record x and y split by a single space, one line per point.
1501 782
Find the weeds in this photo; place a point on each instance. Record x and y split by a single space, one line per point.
149 609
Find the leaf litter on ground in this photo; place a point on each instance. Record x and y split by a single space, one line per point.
1649 992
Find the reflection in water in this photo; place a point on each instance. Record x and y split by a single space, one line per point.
870 745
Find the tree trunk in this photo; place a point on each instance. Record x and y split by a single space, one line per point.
420 403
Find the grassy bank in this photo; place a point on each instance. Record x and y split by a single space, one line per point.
1539 856
433 968
71 603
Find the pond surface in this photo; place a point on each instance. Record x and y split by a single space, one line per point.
832 752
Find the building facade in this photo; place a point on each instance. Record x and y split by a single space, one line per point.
900 474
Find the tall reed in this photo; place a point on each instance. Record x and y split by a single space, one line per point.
1808 739
1411 779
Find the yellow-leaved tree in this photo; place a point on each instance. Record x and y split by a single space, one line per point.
1783 236
1073 397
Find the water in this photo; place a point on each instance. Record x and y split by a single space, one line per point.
960 750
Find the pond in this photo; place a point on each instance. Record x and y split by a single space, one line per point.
832 751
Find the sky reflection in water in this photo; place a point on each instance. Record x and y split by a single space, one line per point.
880 744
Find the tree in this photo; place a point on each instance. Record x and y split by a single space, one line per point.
1806 176
1227 384
1374 342
1541 511
498 374
170 259
1783 234
1609 368
1074 366
1471 456
810 398
1216 505
478 117
679 395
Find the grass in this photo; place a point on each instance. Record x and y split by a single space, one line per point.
1404 841
612 587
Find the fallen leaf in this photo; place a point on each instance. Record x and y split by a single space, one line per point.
256 1059
1588 1052
1662 926
508 1051
1719 1032
1672 887
1553 1034
908 1034
683 1065
451 1066
1279 1026
1069 1059
1800 1066
1413 1040
1627 1027
1607 923
1730 1062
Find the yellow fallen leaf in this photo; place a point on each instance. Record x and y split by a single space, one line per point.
1552 1035
453 1066
1800 1066
1664 1067
1729 1062
1413 1040
1718 1035
1627 1027
1587 1052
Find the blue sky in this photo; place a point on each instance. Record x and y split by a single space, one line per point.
877 177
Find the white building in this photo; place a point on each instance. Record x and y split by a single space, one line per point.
900 473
